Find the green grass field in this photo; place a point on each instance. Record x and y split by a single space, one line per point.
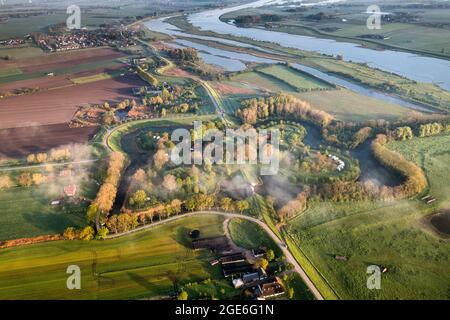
26 212
346 105
388 234
294 78
433 155
153 263
261 82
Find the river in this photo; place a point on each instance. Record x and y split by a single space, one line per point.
412 66
233 61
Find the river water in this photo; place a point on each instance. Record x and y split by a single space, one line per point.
412 66
233 61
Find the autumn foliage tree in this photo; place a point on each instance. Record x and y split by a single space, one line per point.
295 206
5 182
282 105
106 195
415 180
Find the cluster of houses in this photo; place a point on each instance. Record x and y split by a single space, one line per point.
81 39
14 42
240 268
339 162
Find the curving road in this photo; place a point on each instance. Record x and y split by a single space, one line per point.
289 257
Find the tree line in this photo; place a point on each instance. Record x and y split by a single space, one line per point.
104 201
146 76
415 180
281 105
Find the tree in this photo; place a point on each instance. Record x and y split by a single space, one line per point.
142 218
5 182
25 180
37 178
139 176
191 204
102 233
112 224
403 133
291 293
262 263
109 118
70 233
138 198
87 233
176 205
41 157
31 158
270 255
242 205
91 213
170 183
160 158
226 204
183 295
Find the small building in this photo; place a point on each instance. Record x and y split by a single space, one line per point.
215 244
232 258
252 277
270 289
237 269
70 190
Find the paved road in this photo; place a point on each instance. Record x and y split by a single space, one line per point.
289 257
58 164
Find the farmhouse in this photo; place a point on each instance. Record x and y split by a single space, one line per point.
253 277
70 190
270 289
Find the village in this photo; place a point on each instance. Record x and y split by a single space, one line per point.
84 38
